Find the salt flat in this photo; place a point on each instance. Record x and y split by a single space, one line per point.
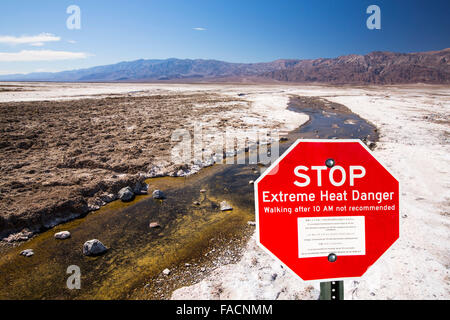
414 145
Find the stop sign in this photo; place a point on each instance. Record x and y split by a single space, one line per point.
327 209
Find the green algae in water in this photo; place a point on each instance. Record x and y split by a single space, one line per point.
136 252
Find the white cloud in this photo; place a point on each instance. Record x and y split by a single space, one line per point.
199 29
71 41
41 55
37 44
37 40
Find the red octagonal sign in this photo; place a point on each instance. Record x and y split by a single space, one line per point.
327 209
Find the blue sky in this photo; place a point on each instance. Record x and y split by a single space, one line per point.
235 31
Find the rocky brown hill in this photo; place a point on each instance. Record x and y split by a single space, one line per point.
373 68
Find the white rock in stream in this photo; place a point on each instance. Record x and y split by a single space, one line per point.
126 194
62 235
27 253
225 206
158 194
166 272
93 248
154 225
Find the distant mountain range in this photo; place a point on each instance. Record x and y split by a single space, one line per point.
373 68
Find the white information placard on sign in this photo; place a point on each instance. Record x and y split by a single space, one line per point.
320 236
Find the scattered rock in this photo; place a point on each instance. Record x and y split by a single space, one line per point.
93 207
251 223
202 269
126 194
283 139
23 235
140 188
180 173
154 225
101 200
202 190
166 272
251 182
225 206
187 264
349 121
197 203
158 194
93 248
27 253
62 235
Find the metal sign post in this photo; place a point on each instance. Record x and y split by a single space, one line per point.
332 290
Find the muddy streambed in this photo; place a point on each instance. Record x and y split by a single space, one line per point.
193 238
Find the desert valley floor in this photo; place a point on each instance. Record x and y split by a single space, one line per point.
67 149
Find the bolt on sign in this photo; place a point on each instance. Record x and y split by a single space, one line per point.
327 209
